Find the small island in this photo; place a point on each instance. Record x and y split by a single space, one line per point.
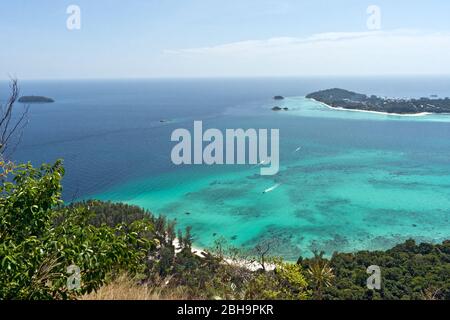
279 109
35 99
278 98
344 99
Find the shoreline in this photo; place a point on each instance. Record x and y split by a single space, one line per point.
241 263
420 114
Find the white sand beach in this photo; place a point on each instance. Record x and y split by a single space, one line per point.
420 114
242 263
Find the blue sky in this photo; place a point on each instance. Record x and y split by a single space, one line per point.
174 38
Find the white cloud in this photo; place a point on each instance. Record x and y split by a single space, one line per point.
341 53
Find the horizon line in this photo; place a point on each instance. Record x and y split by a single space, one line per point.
390 75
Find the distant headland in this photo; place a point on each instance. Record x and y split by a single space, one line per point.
35 99
344 99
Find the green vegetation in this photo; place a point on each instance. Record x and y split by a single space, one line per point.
340 98
215 273
408 271
40 238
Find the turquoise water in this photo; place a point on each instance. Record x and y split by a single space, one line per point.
300 106
342 191
359 181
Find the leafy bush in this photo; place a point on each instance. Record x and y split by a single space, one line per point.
40 239
285 282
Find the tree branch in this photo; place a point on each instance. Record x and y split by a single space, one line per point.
9 124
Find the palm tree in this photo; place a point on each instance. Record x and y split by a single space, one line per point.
431 293
320 274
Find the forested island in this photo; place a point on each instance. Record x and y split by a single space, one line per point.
344 99
35 99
